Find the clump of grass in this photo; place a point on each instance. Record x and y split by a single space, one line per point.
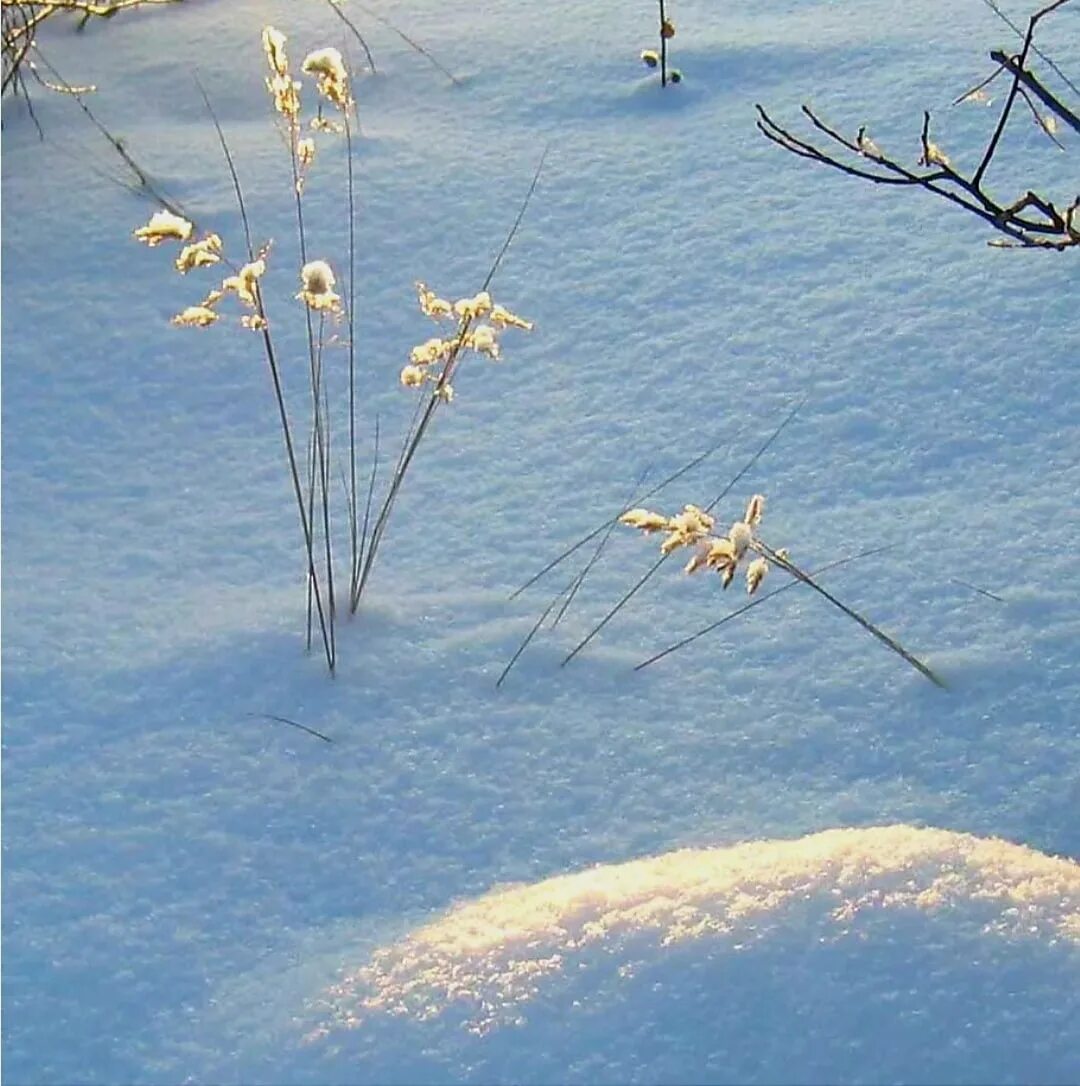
326 304
658 58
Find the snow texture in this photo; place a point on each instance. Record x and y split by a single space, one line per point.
192 889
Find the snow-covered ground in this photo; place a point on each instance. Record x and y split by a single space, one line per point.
590 873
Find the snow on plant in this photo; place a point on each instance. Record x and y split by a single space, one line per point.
436 359
480 323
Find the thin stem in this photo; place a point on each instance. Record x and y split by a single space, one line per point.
336 9
416 435
355 543
690 464
757 601
275 374
663 47
790 567
408 41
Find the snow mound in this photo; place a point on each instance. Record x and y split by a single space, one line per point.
958 956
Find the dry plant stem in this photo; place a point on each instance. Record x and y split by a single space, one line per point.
790 567
356 544
407 40
318 477
532 633
336 8
689 465
976 588
275 374
641 582
579 580
570 590
756 600
292 724
663 47
416 434
1032 84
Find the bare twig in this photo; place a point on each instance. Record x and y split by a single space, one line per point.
1053 228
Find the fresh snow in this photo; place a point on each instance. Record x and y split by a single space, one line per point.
196 893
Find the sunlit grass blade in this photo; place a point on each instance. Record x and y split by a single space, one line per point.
579 580
688 466
531 634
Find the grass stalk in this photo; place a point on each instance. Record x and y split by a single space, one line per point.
279 394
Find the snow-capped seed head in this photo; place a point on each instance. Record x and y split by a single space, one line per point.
195 316
199 254
755 574
650 58
305 152
755 509
644 519
667 29
413 376
273 42
245 281
741 537
720 554
164 226
256 322
483 339
674 76
501 317
318 282
332 75
431 305
286 94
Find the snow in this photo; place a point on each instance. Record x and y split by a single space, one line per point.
186 880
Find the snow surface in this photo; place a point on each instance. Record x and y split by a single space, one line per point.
185 881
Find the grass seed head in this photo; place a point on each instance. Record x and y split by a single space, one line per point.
431 305
305 152
317 279
413 376
755 574
755 509
501 317
195 316
199 254
329 70
273 42
741 537
164 226
644 519
245 281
